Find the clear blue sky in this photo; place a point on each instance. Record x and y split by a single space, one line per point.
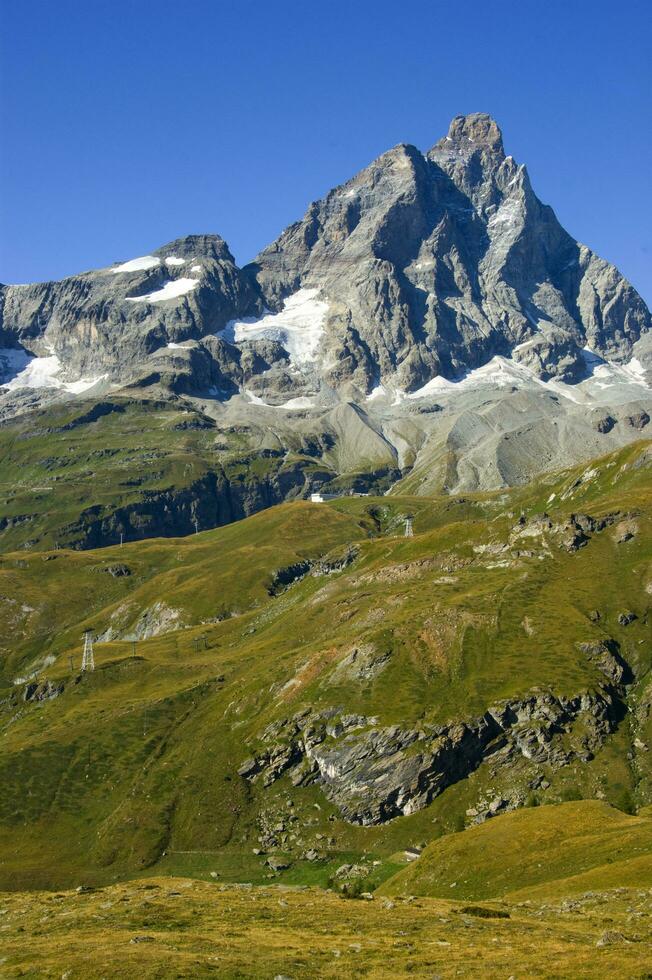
128 123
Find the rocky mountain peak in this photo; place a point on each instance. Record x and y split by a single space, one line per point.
477 127
197 247
420 271
475 131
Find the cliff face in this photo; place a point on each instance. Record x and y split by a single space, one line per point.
429 318
107 322
435 263
420 265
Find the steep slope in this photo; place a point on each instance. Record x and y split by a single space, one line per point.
310 689
428 319
103 325
86 474
434 264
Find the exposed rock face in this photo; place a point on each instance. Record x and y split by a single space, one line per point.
422 270
211 501
374 774
42 691
606 656
102 322
285 577
434 263
362 664
573 534
430 264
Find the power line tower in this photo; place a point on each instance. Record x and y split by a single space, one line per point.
409 533
88 660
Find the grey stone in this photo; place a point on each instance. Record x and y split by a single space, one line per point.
375 774
431 265
625 618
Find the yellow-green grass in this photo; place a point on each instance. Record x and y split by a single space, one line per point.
178 928
135 767
542 851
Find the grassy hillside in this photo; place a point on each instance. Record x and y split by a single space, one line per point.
133 769
548 851
84 473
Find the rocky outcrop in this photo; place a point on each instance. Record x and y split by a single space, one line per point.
605 654
374 774
42 691
284 577
434 263
158 619
361 664
571 535
104 321
211 501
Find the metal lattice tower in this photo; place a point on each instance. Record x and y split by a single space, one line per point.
409 533
88 661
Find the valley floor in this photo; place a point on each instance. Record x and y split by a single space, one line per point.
183 928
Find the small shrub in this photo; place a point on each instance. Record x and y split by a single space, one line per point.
570 794
458 823
625 801
483 913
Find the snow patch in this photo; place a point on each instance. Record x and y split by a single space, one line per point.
195 268
636 371
12 362
378 392
39 372
137 265
508 216
501 372
299 326
171 289
254 399
295 403
173 260
607 374
400 396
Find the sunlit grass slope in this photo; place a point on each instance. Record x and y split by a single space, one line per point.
134 767
547 850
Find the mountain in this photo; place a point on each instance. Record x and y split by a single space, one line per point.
426 326
305 694
297 692
433 264
422 265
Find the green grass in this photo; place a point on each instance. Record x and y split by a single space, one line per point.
546 851
69 478
134 767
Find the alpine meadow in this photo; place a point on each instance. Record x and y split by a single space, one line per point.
326 593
